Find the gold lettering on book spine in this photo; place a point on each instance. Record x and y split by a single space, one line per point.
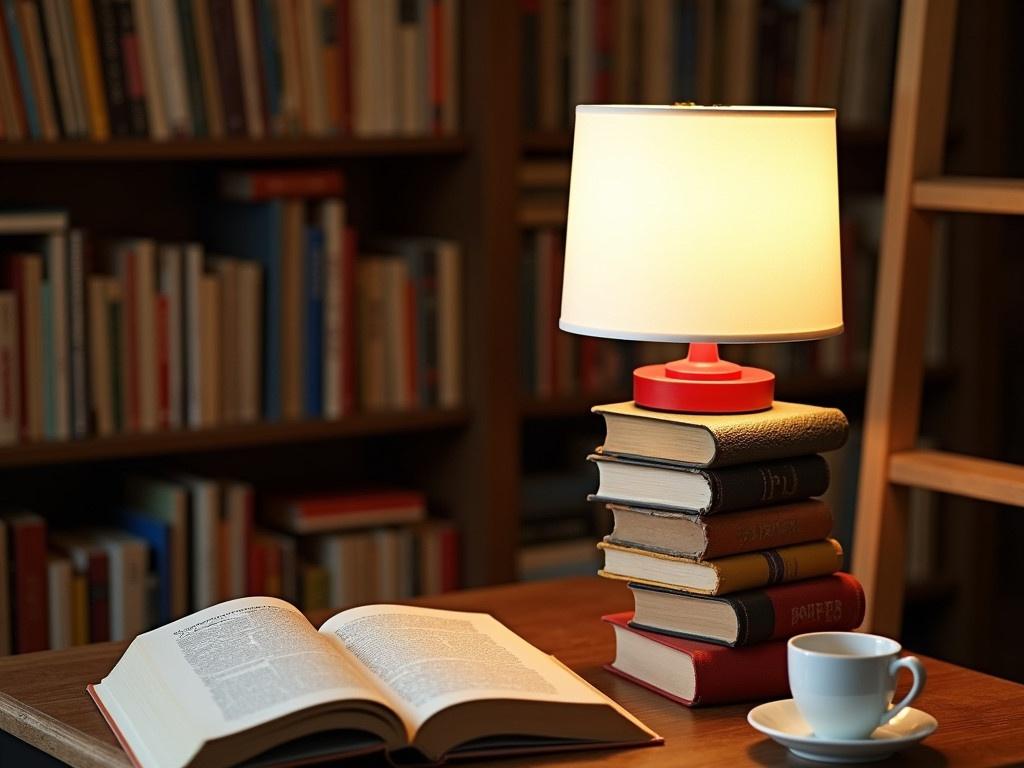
829 611
776 483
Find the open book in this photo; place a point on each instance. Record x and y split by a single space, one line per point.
252 682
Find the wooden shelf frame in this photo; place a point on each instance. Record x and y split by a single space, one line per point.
124 446
970 194
220 150
959 475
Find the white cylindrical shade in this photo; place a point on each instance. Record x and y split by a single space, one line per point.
703 224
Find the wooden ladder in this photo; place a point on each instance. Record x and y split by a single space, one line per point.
916 193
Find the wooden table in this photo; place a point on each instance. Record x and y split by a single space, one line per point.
981 718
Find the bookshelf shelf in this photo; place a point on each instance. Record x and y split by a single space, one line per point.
230 149
240 436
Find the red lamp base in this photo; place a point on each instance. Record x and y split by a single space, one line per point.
703 383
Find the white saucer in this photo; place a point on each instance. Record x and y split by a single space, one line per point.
782 721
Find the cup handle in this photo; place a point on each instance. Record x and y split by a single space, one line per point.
917 670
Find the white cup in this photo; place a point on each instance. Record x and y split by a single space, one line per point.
843 682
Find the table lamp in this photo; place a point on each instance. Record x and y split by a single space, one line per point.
703 225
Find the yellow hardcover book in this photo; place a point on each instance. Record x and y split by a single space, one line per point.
85 29
725 574
79 609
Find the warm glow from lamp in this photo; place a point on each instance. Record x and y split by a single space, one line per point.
703 224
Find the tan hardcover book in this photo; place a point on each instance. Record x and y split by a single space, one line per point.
250 319
230 342
30 281
471 689
706 538
209 350
716 440
245 34
153 79
725 574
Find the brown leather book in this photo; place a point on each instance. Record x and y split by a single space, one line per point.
718 440
700 538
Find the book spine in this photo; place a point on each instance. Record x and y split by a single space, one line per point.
15 125
77 322
100 399
245 38
114 86
19 54
98 575
314 336
88 45
268 56
29 585
205 51
170 59
59 337
332 215
222 24
131 66
153 79
766 528
193 73
58 78
831 603
756 485
129 362
42 77
777 566
9 376
48 397
118 376
163 362
348 381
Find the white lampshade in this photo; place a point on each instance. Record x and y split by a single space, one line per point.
703 224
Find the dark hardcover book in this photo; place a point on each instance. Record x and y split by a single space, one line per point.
50 38
429 324
684 18
828 603
696 673
131 66
661 485
726 439
313 289
110 64
26 542
222 20
193 74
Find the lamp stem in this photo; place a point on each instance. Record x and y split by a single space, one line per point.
703 352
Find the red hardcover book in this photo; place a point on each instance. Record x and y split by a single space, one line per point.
828 603
451 566
317 513
268 185
695 673
98 575
257 576
26 536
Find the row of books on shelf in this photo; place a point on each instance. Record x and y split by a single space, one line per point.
555 363
96 69
807 52
175 545
284 320
724 544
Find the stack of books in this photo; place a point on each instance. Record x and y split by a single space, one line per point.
723 546
165 70
171 545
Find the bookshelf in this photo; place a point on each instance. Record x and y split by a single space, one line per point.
219 150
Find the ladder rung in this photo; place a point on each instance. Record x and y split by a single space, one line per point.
970 194
959 475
